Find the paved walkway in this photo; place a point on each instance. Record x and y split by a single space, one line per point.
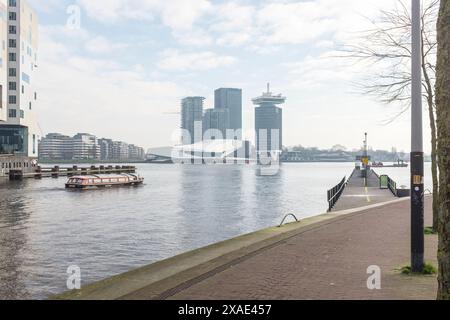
357 194
324 257
327 262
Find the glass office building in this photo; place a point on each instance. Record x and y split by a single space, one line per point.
192 119
231 99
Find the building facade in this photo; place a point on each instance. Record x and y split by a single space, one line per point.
216 119
3 61
120 150
85 147
269 124
192 119
106 149
56 146
135 152
19 135
231 99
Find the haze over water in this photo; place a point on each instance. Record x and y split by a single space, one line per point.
44 228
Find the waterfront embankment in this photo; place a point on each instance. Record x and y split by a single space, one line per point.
325 257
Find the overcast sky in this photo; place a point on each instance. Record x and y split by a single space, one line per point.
124 71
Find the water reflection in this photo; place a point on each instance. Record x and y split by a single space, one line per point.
13 240
44 229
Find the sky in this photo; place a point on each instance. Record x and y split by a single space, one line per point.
119 68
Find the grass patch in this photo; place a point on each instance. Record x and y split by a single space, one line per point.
430 231
428 270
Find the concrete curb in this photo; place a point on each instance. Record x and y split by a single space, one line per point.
165 278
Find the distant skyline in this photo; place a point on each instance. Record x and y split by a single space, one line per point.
131 62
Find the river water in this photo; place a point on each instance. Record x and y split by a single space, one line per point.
44 228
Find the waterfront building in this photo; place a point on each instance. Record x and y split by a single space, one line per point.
106 149
216 119
231 99
192 119
3 62
85 147
120 151
55 146
135 152
269 124
19 133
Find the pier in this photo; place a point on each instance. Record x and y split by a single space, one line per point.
360 191
57 171
324 257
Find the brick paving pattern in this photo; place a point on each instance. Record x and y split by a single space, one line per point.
329 262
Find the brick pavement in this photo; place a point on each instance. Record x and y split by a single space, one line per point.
329 262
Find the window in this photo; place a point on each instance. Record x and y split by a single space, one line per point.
12 3
25 77
12 30
34 144
12 56
12 99
12 43
12 16
12 72
29 105
22 114
23 89
14 139
35 96
12 113
12 85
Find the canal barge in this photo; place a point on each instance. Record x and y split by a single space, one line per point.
103 181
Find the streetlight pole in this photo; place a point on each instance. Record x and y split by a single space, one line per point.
417 155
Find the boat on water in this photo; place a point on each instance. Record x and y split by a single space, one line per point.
104 181
399 164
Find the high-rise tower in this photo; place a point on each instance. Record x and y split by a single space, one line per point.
231 99
19 133
192 119
269 123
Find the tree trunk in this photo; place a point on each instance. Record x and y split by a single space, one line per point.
443 130
434 164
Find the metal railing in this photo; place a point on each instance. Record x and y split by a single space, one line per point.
335 193
392 185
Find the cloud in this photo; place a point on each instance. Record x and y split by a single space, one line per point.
174 60
175 14
101 45
101 96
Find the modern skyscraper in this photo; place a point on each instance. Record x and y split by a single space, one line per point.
268 123
229 98
3 61
19 133
192 119
218 119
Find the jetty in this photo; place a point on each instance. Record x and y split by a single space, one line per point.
57 171
330 256
361 190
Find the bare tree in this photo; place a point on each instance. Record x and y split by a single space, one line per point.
387 49
443 124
